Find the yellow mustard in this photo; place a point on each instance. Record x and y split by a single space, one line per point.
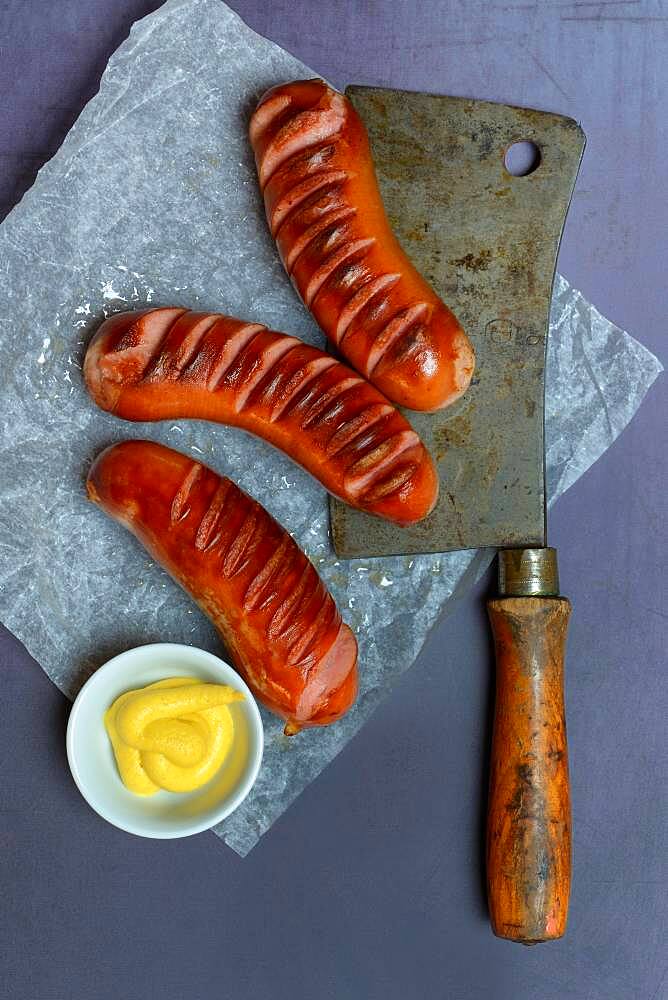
172 735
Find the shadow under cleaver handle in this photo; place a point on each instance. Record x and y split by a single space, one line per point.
529 818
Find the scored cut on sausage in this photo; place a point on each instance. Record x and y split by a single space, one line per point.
278 621
326 214
165 364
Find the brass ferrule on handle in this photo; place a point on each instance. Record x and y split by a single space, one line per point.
528 573
529 820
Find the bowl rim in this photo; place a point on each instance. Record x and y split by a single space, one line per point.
257 748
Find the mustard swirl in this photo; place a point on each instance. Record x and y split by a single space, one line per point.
172 735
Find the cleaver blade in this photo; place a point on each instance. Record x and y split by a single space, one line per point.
487 241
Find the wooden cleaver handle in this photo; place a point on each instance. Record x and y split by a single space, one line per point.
529 819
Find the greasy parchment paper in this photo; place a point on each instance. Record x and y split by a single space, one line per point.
152 198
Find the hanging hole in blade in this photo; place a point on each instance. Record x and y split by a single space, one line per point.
522 158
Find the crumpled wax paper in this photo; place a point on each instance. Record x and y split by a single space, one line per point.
152 198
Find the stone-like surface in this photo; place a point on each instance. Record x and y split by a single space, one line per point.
349 897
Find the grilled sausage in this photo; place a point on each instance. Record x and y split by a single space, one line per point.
278 621
326 214
170 363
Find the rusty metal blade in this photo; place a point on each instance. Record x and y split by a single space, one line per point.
488 243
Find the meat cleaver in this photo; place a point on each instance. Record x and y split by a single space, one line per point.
487 240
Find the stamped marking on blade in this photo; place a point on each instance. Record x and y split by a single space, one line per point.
488 242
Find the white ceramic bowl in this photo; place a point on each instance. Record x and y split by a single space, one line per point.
165 814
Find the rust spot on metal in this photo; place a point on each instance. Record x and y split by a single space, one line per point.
453 435
378 104
505 387
473 262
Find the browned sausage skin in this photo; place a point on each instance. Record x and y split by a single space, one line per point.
326 214
171 363
278 621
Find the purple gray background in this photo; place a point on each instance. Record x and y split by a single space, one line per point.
371 886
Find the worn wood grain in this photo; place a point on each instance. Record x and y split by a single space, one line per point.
529 819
